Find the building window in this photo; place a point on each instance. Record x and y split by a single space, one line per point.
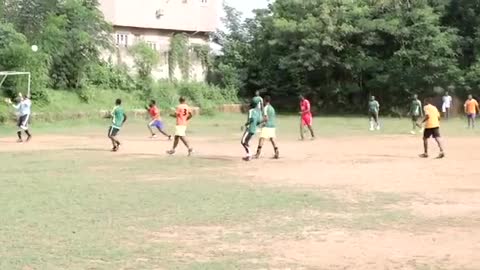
152 45
122 39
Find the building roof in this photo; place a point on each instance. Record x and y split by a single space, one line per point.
180 15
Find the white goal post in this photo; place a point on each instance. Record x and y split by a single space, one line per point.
5 74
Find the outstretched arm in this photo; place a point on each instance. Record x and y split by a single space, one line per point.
124 118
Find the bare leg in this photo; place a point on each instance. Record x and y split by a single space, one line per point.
275 148
301 131
439 143
150 129
185 142
164 133
259 148
425 146
311 131
473 122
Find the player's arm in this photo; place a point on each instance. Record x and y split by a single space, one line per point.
426 118
124 118
478 108
190 115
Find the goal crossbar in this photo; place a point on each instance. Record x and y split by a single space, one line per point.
5 74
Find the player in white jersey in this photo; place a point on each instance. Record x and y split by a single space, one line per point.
446 105
24 110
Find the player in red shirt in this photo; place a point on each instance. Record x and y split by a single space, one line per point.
306 119
183 114
156 120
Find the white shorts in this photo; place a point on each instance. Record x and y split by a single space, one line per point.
267 133
181 131
445 107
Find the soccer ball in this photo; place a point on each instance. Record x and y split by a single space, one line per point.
34 48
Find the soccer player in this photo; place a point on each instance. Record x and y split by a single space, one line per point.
183 115
471 109
118 119
373 111
415 112
268 130
446 104
258 101
432 128
306 119
156 120
23 108
254 119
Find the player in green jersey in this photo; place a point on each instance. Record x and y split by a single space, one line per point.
118 119
415 112
254 119
268 130
373 110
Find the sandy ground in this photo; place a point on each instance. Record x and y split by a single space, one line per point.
447 189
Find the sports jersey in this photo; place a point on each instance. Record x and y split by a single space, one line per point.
118 117
373 106
471 106
415 107
254 119
269 112
154 113
433 120
305 107
183 111
447 101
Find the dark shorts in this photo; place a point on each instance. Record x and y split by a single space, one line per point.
247 136
23 121
157 123
471 115
431 132
113 131
373 115
415 118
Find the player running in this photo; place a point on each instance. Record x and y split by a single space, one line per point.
471 109
446 104
118 119
432 128
183 115
415 112
306 119
268 130
373 111
254 119
24 110
156 120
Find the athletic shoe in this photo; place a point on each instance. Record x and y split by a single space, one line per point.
378 127
115 149
190 152
441 155
153 136
277 154
19 141
412 132
247 158
171 152
424 155
371 129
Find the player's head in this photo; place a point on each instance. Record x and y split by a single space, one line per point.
257 93
181 100
372 98
470 96
446 93
152 103
118 102
267 99
415 96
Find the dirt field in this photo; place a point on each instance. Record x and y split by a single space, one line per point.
396 211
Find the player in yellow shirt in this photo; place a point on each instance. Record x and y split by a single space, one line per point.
432 128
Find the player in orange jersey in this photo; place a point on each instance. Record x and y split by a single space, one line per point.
471 109
183 114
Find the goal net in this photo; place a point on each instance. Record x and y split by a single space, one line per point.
5 74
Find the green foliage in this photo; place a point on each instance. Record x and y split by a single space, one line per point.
179 56
145 59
